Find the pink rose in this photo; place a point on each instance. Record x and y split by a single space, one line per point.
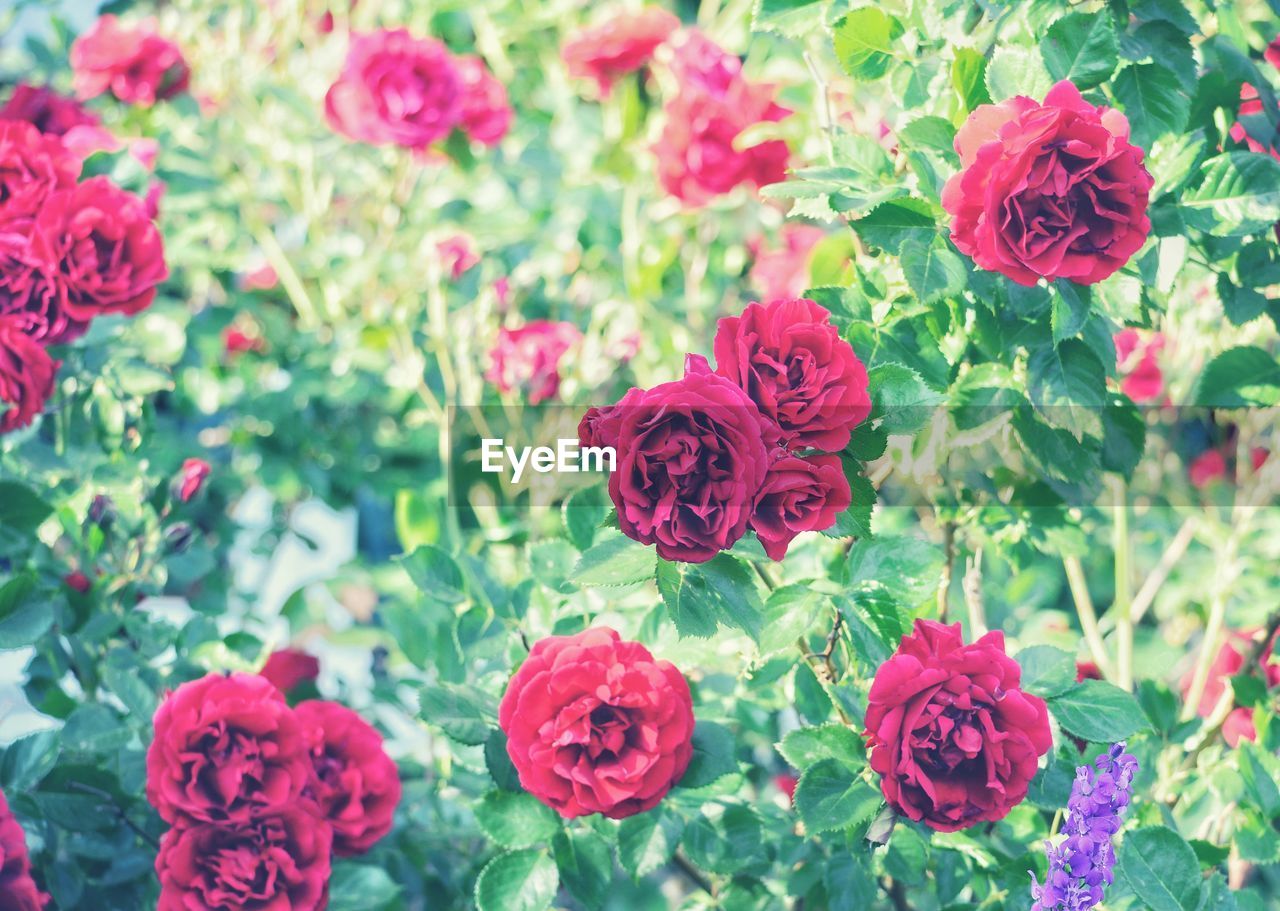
458 254
136 64
396 89
46 110
33 166
288 668
621 44
18 890
798 495
190 480
1052 190
691 458
1209 466
953 737
595 724
528 358
356 784
789 358
783 272
26 376
486 112
1136 362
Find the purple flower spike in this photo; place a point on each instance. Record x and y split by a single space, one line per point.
1080 866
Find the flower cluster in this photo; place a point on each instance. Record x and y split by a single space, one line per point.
70 249
261 796
596 724
1048 190
750 445
952 735
18 890
396 89
699 154
1080 866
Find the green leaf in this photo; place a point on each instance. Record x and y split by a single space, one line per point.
830 796
1261 773
1068 385
26 761
933 133
498 761
1124 435
1082 48
1046 671
465 713
933 271
516 820
713 749
23 619
360 887
1239 377
615 560
519 881
805 746
586 866
1015 70
1154 101
20 509
791 18
583 512
700 595
1238 194
725 841
902 399
855 521
891 223
94 728
1161 869
1071 305
905 565
435 574
1058 453
1098 712
864 42
647 841
969 78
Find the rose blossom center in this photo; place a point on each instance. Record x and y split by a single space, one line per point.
225 759
245 870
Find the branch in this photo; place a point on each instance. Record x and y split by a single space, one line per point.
1088 616
693 873
1146 595
972 584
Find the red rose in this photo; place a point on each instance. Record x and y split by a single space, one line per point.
136 65
784 272
1209 466
486 112
621 44
289 667
799 495
1052 190
691 457
698 152
700 65
789 358
46 110
356 785
529 358
1136 362
458 254
395 89
96 251
226 747
77 582
954 739
191 479
597 725
787 785
274 862
32 167
1226 664
18 890
26 376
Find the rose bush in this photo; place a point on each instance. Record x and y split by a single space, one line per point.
938 346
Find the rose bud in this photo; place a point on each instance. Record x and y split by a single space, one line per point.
790 359
595 724
953 738
226 748
279 860
356 784
179 537
1052 190
190 479
289 667
102 512
77 582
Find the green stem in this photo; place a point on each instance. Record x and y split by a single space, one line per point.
1122 606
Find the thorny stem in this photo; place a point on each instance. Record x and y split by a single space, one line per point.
695 875
826 113
1088 617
